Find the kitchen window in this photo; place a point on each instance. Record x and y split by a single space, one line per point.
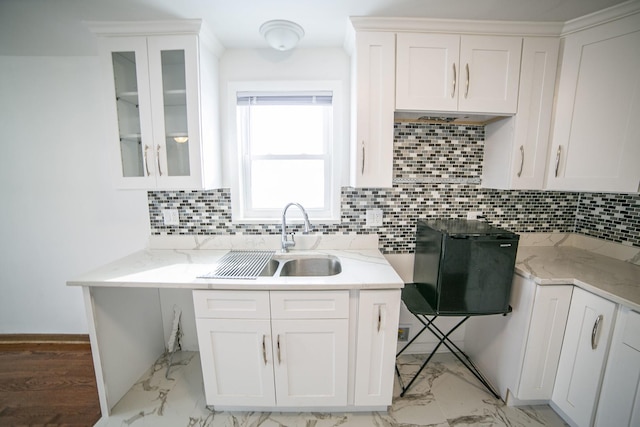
285 141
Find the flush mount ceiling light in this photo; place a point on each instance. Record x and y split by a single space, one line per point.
180 139
281 35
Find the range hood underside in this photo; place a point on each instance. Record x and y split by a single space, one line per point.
447 117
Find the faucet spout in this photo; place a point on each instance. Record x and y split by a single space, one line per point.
286 244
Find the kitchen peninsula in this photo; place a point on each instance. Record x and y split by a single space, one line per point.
129 304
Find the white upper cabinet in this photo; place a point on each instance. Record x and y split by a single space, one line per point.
159 90
596 140
447 72
515 149
372 85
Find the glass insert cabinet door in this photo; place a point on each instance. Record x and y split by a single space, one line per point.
154 80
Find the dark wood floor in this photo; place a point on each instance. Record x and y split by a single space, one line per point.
47 382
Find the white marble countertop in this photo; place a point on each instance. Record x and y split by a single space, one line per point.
362 268
613 279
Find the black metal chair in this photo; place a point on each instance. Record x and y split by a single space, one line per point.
422 310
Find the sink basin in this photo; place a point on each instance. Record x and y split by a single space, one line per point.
270 269
311 266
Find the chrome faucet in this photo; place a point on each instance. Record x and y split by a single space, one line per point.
286 244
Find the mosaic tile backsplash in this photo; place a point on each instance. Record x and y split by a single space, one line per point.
437 171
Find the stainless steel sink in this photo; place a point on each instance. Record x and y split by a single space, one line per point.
270 269
306 265
311 266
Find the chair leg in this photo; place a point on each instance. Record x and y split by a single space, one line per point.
459 354
428 323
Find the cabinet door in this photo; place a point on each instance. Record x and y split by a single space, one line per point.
620 396
311 362
378 316
595 138
129 110
489 75
515 149
373 106
582 359
427 72
522 359
237 363
173 79
544 342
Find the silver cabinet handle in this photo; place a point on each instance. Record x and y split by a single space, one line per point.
521 160
363 156
466 91
158 160
594 332
379 317
264 349
558 159
146 159
278 345
455 80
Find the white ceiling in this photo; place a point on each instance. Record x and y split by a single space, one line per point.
236 22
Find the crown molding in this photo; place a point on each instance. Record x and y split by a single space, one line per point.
137 28
459 26
151 28
602 16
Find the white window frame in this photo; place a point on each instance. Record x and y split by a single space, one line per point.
240 211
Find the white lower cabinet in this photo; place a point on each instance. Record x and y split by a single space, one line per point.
310 362
291 349
237 361
377 337
582 360
519 352
544 342
620 395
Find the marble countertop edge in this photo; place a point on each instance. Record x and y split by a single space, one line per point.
610 278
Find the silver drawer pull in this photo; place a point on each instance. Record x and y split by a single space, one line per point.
594 332
264 349
379 317
454 81
363 155
521 160
466 92
158 160
146 159
558 159
278 345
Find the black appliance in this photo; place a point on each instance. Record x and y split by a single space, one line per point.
464 266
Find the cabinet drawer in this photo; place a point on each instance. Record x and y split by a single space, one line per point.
309 304
231 304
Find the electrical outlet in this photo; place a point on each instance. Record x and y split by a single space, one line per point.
403 333
171 216
374 217
473 215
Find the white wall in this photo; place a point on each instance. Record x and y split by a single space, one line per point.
59 213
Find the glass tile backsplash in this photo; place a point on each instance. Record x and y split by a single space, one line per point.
437 171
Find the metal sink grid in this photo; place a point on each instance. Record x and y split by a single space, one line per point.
240 265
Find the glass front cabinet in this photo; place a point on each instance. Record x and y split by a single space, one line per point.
162 104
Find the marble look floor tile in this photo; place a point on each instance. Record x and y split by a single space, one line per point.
445 394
